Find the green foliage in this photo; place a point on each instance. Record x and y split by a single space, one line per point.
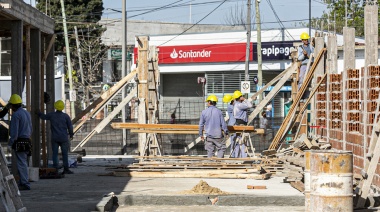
81 13
335 18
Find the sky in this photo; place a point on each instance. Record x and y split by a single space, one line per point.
289 12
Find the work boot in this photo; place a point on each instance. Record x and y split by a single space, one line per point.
23 187
67 171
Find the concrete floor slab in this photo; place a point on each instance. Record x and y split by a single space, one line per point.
83 190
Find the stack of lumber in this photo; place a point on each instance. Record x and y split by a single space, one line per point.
177 128
191 167
294 162
272 165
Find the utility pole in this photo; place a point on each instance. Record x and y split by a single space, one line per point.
310 17
79 51
68 58
259 58
123 66
248 45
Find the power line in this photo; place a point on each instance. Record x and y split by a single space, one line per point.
195 23
278 19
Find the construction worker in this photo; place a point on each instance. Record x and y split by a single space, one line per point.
304 52
213 123
263 124
19 141
240 113
230 113
61 128
240 108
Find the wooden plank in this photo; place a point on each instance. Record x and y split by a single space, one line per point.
288 73
106 120
286 123
174 126
185 157
192 144
194 132
2 102
256 187
102 100
274 80
183 174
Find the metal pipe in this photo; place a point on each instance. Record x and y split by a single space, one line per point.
331 181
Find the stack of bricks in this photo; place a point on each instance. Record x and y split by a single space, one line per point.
321 108
335 111
354 118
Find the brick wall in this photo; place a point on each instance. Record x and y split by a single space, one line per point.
360 105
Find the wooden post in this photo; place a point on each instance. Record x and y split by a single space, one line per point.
142 68
50 85
27 66
35 65
349 63
16 69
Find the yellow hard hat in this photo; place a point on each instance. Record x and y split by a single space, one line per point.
304 36
227 98
237 94
212 98
15 99
59 105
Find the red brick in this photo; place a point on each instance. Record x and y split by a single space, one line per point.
358 162
358 151
337 145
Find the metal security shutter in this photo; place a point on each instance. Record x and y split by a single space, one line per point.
226 82
278 105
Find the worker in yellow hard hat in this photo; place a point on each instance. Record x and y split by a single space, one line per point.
20 130
228 99
61 129
212 122
304 52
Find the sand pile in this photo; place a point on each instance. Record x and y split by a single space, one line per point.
203 188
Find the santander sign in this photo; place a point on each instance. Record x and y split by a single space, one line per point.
205 53
190 54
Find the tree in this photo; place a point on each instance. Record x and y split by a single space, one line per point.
335 18
238 15
84 14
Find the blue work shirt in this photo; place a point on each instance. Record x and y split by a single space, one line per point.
60 124
230 112
301 57
213 123
240 110
20 126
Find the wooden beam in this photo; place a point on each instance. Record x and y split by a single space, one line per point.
2 102
185 174
174 126
285 124
102 100
274 80
106 120
195 132
288 73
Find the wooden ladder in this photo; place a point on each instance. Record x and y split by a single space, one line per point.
372 159
10 195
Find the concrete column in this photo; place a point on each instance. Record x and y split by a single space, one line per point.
332 54
349 63
371 21
35 67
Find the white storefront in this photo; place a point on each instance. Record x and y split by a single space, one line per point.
219 58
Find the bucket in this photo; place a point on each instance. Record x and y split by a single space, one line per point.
331 181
